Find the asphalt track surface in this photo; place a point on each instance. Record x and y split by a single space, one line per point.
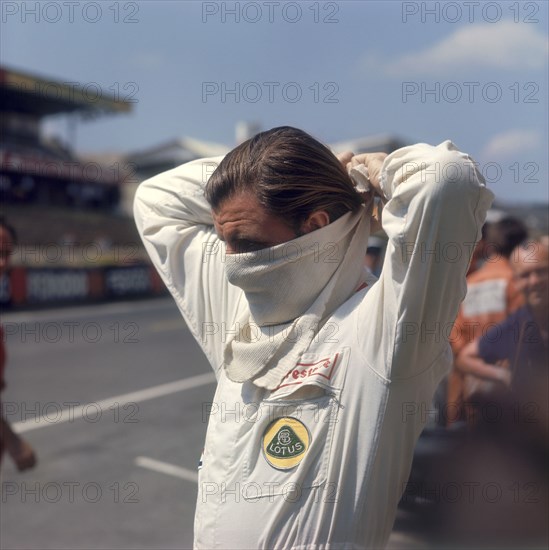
113 398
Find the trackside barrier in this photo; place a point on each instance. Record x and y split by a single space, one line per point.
24 287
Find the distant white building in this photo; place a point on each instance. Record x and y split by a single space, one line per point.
245 130
158 159
381 143
152 161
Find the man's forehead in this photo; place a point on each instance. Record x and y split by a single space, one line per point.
240 217
243 205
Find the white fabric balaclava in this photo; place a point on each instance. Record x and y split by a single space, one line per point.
292 289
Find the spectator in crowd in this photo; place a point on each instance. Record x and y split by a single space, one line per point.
508 450
491 296
521 342
483 249
19 450
374 254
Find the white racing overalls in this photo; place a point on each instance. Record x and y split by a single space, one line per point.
322 461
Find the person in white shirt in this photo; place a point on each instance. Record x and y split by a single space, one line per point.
325 374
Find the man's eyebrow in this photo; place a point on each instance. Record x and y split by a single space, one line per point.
241 238
238 234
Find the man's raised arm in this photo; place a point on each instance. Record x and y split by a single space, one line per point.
175 223
436 206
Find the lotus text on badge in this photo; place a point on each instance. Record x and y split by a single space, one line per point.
285 442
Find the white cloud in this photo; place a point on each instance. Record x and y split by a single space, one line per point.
505 45
508 144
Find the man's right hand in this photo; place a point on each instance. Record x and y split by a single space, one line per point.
373 162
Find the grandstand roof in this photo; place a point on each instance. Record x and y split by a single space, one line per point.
35 95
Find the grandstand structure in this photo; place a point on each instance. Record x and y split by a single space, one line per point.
34 170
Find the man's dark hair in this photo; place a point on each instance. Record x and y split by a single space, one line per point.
291 174
506 234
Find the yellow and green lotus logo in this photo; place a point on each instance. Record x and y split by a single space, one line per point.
285 442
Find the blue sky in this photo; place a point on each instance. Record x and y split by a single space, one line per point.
473 72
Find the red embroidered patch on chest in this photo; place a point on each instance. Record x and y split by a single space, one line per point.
323 368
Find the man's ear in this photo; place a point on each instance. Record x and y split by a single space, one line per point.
315 221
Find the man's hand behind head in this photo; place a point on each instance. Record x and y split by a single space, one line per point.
373 162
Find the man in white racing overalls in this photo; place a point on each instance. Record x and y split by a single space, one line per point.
325 374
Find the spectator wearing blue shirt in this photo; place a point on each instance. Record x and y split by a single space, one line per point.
520 343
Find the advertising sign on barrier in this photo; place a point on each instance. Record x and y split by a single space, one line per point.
23 287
